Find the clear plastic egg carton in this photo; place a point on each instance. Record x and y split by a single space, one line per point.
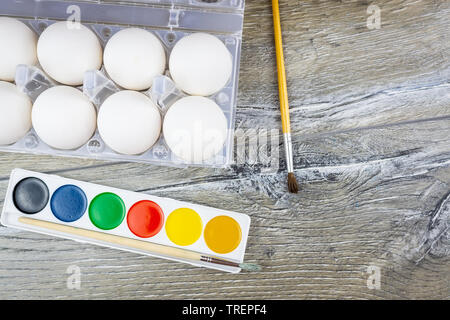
169 21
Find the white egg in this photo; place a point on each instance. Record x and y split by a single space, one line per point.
67 51
18 46
133 57
64 118
15 113
129 122
200 64
195 129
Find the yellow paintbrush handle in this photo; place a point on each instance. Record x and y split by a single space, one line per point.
282 85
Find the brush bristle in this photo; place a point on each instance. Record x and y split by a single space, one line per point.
292 183
250 267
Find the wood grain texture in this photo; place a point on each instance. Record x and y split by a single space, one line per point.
370 114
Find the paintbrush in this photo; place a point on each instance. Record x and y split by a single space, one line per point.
284 103
137 244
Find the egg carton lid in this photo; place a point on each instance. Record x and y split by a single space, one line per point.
230 5
216 16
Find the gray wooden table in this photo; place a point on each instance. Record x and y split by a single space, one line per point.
371 129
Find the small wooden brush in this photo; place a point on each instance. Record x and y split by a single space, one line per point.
284 103
137 244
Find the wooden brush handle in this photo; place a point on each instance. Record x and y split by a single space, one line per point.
282 84
109 238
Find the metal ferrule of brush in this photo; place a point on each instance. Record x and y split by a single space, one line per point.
289 153
219 261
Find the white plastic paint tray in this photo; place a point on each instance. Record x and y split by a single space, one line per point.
13 211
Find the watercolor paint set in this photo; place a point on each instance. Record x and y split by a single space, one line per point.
151 81
125 220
